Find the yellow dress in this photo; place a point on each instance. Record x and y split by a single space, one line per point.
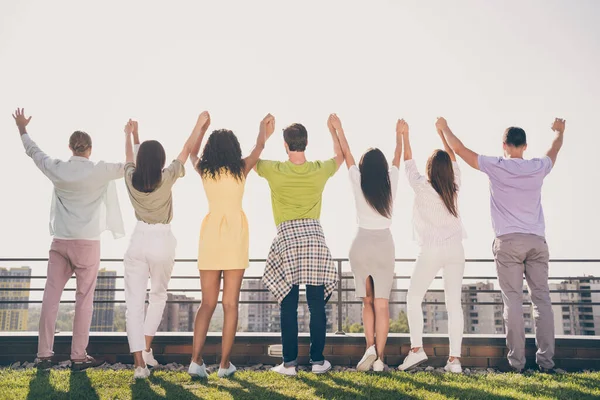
224 234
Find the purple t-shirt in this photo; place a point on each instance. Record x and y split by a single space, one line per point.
516 193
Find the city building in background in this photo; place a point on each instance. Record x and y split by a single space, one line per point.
104 306
263 316
13 316
576 319
179 317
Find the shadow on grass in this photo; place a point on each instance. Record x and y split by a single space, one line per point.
40 387
172 390
538 388
81 387
252 391
348 389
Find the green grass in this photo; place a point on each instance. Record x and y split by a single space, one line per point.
107 384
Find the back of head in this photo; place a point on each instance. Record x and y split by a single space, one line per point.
375 182
222 153
440 174
515 137
80 143
148 166
296 137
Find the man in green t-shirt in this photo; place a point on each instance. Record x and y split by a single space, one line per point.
299 254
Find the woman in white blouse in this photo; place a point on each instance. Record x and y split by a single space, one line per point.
372 255
440 233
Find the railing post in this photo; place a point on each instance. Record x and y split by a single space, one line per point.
340 328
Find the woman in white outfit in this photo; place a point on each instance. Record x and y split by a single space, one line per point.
372 255
151 252
440 233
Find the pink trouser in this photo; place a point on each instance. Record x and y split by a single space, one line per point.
81 257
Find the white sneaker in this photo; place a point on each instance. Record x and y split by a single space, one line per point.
283 370
141 373
321 369
197 371
378 366
413 360
453 366
366 362
149 359
225 372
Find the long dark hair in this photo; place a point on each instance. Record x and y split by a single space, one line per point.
375 182
148 166
441 176
222 153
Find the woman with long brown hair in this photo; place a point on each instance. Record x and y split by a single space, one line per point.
439 233
372 255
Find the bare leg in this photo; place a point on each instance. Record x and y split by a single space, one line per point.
210 282
382 325
138 361
232 282
149 342
368 314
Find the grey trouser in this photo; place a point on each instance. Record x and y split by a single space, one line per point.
517 254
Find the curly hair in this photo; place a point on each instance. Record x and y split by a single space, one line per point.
222 154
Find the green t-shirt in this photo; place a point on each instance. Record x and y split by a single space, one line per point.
296 190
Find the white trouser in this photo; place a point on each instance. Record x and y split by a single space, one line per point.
450 258
151 253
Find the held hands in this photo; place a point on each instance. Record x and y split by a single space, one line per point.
203 121
401 129
130 127
559 125
334 123
267 126
21 120
441 124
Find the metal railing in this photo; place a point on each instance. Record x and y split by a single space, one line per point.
340 289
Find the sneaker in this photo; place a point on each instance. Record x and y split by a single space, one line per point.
43 363
453 366
413 360
141 373
197 371
283 370
149 359
366 362
378 366
321 368
82 365
225 372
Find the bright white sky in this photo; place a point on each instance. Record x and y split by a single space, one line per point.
483 65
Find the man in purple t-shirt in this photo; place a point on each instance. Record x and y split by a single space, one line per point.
520 246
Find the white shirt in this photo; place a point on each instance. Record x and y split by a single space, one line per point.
84 200
368 217
433 224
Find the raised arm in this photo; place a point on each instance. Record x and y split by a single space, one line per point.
129 156
559 127
41 159
267 127
455 144
402 140
334 124
338 154
447 147
195 139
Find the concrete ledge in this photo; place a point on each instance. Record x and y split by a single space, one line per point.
478 351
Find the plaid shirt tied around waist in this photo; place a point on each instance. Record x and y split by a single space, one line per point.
299 256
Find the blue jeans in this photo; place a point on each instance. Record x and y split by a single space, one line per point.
315 297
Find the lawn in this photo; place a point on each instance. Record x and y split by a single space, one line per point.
108 384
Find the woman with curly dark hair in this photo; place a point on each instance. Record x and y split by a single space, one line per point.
223 248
